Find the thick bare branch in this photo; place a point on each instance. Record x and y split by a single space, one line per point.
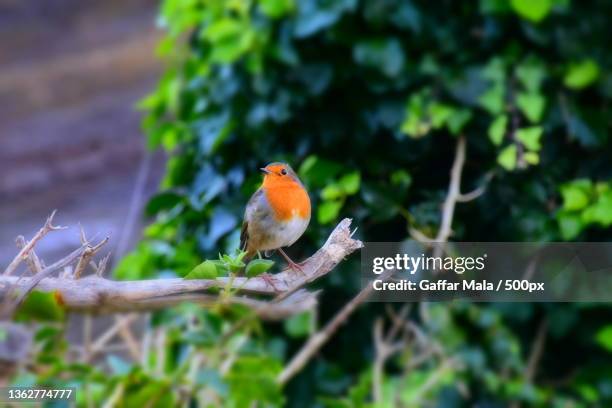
98 295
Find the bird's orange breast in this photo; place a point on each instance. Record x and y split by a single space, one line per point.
288 201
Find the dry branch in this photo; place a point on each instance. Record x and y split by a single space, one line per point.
25 251
98 295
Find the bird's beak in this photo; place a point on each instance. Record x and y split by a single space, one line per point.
264 170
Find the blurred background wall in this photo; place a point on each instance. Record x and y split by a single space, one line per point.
70 74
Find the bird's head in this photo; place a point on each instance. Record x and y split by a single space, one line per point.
280 174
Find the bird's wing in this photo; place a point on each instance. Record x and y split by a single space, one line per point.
244 235
251 207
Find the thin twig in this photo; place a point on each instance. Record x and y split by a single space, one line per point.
135 204
45 273
32 259
86 256
87 336
386 346
30 244
101 267
448 208
537 349
109 334
129 340
317 340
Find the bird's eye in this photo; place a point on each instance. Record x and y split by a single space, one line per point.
284 172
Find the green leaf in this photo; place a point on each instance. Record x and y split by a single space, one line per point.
162 202
532 158
531 74
530 137
497 130
494 71
350 182
415 123
317 172
570 225
328 211
533 10
229 38
300 325
41 306
205 270
439 114
604 337
532 105
401 178
332 192
576 194
276 8
493 99
223 29
507 157
458 120
581 74
384 54
601 211
258 266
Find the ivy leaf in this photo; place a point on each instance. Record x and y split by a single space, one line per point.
223 29
533 10
331 192
604 337
532 158
494 71
316 171
531 74
493 99
582 74
258 266
458 120
439 114
414 124
507 157
276 8
576 194
386 55
350 182
530 137
205 270
601 211
570 225
498 129
328 211
532 105
40 306
401 178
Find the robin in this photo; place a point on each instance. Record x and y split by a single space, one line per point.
277 214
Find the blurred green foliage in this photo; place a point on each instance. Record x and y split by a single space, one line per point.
366 99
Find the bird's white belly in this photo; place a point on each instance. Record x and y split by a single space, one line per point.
285 233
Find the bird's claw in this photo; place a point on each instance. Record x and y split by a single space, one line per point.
270 281
296 267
